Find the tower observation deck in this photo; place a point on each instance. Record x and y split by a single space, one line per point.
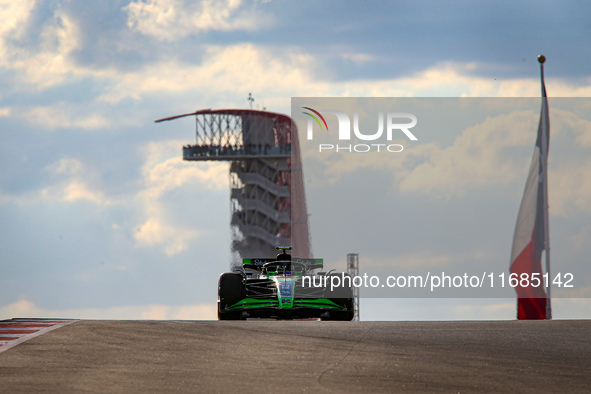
267 197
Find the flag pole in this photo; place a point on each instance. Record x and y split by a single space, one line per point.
545 145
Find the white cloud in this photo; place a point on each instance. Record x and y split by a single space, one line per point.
75 182
464 309
482 157
70 190
48 63
372 309
66 166
497 311
579 290
163 172
62 116
478 159
278 72
76 191
14 16
335 166
451 79
358 58
569 182
282 73
571 308
42 57
474 160
18 308
241 67
26 308
423 259
156 312
570 188
581 239
436 309
172 238
175 172
174 19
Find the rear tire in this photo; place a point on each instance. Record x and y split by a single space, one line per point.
342 296
230 291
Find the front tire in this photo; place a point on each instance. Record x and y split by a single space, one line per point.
230 291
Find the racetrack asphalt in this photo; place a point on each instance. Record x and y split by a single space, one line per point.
294 356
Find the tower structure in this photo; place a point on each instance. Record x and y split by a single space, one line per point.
267 197
353 270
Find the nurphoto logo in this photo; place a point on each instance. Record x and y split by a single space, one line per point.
396 123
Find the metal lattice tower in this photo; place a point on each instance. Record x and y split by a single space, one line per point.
353 270
267 197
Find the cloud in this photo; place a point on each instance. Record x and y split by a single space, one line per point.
579 290
451 79
480 158
26 308
66 166
464 309
173 239
490 155
70 190
571 308
46 61
580 239
156 222
74 183
72 116
476 158
436 309
497 311
282 73
164 172
14 16
175 19
358 58
335 166
76 191
233 68
570 188
63 116
175 172
18 308
48 51
569 164
424 259
67 68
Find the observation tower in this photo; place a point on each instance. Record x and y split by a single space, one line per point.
267 197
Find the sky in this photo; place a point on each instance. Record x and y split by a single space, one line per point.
100 218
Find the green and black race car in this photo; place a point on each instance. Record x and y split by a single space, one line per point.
284 288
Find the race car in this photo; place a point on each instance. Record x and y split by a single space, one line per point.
284 288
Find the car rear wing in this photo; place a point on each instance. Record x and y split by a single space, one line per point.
257 264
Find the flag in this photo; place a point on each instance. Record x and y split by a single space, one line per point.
531 231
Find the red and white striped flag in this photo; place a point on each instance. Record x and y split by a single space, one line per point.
531 231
